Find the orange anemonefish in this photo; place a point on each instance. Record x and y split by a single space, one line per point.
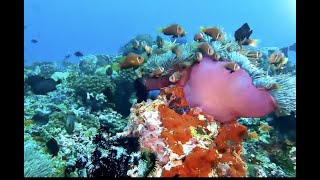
206 49
213 32
272 86
175 30
132 60
232 66
175 77
157 72
198 37
255 55
277 58
198 57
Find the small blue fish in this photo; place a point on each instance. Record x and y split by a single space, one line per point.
78 54
153 94
34 41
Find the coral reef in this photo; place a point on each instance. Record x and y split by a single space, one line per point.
113 122
191 144
60 100
267 150
60 76
292 156
128 48
36 163
105 59
221 112
40 85
88 64
112 157
44 69
89 83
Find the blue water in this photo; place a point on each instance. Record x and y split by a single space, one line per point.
102 26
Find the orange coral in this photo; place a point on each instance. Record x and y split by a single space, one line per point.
176 128
237 167
172 120
172 141
176 92
230 137
198 164
225 148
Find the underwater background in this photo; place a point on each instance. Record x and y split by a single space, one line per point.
104 26
160 88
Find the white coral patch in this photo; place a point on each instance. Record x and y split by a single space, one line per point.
175 160
213 127
188 147
201 117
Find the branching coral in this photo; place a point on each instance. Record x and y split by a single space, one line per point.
92 84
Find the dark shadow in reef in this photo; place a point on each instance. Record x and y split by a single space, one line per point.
286 125
121 98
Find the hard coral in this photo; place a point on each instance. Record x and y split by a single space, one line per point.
88 64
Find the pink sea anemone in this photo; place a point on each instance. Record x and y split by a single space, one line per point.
224 95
